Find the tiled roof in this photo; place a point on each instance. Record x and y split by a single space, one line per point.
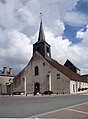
66 71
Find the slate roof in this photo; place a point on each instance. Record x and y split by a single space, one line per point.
41 33
85 76
71 64
66 71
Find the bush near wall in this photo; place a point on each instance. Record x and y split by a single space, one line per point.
48 92
82 89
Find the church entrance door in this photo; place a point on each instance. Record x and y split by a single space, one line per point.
36 88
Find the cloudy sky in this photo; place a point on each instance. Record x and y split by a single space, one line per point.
65 24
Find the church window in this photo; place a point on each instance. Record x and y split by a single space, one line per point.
58 76
43 63
73 87
38 48
47 49
36 70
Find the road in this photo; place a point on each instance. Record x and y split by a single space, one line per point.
15 106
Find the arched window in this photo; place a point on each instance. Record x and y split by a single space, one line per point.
36 70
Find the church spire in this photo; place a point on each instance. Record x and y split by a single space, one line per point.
41 32
41 46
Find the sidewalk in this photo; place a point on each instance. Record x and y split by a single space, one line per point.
40 95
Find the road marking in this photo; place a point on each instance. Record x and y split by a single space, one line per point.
77 111
42 114
84 94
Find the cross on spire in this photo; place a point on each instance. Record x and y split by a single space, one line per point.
41 16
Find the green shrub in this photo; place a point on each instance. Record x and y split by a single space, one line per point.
48 92
79 89
82 89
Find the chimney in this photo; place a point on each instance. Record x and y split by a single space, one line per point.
11 71
5 70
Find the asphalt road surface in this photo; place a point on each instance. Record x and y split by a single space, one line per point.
15 106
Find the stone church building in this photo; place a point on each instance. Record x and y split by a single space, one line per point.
43 73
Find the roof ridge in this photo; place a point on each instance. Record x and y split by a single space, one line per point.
66 71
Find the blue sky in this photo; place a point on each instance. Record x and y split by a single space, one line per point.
65 27
70 31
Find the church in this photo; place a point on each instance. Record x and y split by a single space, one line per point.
43 73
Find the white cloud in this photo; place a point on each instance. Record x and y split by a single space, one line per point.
25 16
87 26
7 15
84 36
75 18
20 18
83 60
58 28
18 14
63 49
64 6
17 51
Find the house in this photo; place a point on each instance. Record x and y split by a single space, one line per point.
85 76
43 73
71 66
5 79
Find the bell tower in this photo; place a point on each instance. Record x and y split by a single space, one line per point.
41 46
